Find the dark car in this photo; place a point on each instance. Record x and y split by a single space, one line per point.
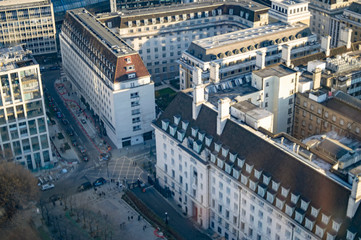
85 186
70 132
99 182
65 122
85 157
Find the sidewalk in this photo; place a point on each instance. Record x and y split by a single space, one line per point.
159 205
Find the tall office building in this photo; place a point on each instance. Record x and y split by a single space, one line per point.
109 76
23 124
161 34
30 22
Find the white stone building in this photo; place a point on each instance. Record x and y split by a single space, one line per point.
242 185
279 84
23 122
161 34
28 21
110 76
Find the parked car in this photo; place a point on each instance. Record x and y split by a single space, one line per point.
83 121
85 186
65 122
70 132
47 186
59 115
55 197
81 149
85 157
99 182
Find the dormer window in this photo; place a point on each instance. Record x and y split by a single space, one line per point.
330 236
299 217
249 168
314 212
194 132
294 198
197 146
228 168
319 231
289 210
266 179
232 157
335 226
275 186
224 151
235 173
185 125
208 141
244 179
213 158
165 124
284 192
201 135
180 135
257 174
350 235
240 162
309 224
172 130
176 119
217 147
304 205
131 75
220 163
279 203
270 197
325 219
252 185
130 68
261 191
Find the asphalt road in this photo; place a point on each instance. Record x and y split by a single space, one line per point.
67 186
159 205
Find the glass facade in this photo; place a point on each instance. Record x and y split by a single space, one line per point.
30 24
23 130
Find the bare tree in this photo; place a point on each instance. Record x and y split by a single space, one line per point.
18 187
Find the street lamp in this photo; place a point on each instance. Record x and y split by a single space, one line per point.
166 218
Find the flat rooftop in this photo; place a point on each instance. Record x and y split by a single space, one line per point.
252 110
277 70
348 106
231 93
15 57
118 46
254 6
21 3
247 34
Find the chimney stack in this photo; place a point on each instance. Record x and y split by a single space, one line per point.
355 197
325 45
286 54
261 59
198 92
345 38
223 114
316 77
214 72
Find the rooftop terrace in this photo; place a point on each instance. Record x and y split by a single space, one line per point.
15 57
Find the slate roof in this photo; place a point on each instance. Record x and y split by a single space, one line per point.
322 192
107 50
